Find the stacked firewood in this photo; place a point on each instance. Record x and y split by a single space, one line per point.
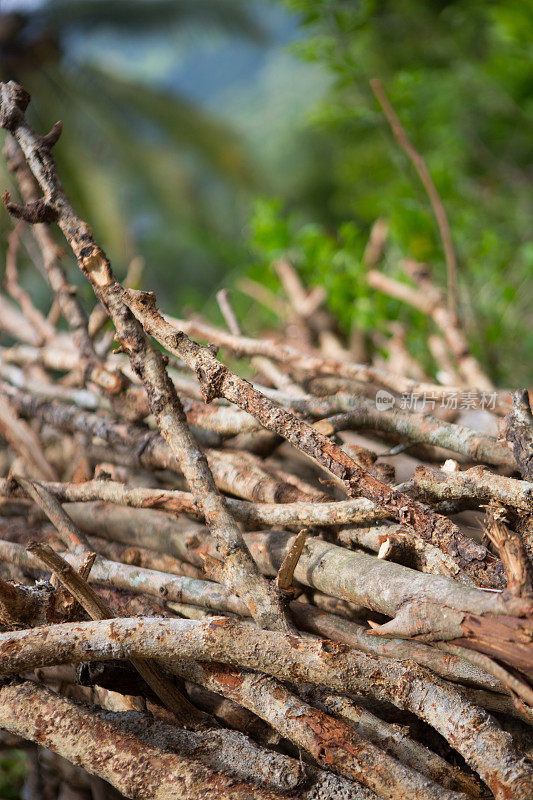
315 582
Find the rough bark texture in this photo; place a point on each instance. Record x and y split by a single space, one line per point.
473 732
152 491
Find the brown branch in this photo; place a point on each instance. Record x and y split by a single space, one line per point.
264 365
312 364
218 380
419 428
236 472
509 544
208 595
151 671
136 579
395 740
519 687
148 362
357 512
331 742
227 312
135 767
43 327
475 735
376 243
347 574
469 488
519 432
68 531
92 368
429 300
285 574
13 322
427 181
24 442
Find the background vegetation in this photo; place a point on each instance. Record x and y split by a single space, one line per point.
211 136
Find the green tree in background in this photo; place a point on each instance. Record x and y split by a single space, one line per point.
147 166
174 178
459 76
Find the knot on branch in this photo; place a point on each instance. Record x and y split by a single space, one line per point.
146 300
51 138
210 376
34 212
14 101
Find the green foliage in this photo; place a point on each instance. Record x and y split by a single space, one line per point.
12 773
152 171
333 260
458 75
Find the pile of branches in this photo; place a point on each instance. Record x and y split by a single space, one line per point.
297 585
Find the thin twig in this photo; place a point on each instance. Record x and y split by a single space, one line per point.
147 361
150 670
427 180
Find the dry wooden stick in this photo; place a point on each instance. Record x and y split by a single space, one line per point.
337 571
420 428
239 570
137 768
218 380
376 243
510 546
93 605
240 473
43 327
285 574
221 750
92 368
427 181
13 322
313 364
515 685
206 594
332 742
395 740
357 512
469 488
519 432
471 731
429 300
152 672
70 534
24 441
262 364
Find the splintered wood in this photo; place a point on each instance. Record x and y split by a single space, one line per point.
313 582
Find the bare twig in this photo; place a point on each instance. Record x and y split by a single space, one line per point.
68 531
510 546
217 380
473 732
25 442
146 360
152 672
43 327
429 300
427 180
519 432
